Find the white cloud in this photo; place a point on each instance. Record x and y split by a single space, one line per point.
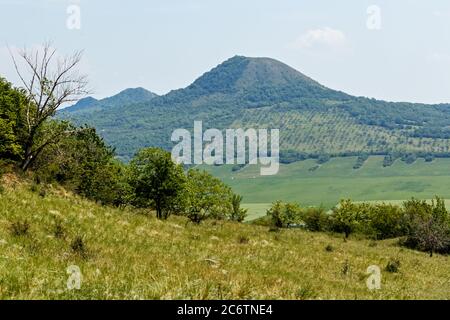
326 37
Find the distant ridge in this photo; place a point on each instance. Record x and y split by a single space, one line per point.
125 97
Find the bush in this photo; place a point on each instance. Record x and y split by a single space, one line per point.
284 214
316 219
393 266
206 197
20 228
78 246
385 221
349 217
59 230
428 226
84 164
237 213
156 181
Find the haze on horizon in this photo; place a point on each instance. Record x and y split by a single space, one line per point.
165 45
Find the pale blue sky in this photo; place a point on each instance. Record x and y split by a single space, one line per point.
163 45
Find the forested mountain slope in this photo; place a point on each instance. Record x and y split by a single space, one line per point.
265 93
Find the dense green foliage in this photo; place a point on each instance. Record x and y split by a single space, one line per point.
11 121
421 225
428 226
237 213
264 93
207 197
284 214
156 181
85 164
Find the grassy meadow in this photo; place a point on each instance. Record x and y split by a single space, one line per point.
129 254
311 184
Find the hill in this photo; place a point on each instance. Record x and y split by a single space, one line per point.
126 97
265 93
126 254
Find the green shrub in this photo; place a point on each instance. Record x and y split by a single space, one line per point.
349 217
20 228
156 181
237 213
58 230
393 266
316 219
428 226
206 197
283 215
385 221
78 246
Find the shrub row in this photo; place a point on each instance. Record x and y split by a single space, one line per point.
420 224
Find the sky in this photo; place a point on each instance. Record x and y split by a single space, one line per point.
391 50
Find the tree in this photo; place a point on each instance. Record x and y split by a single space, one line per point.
276 214
11 120
207 197
428 225
316 219
348 217
49 82
385 221
431 236
284 214
237 213
156 180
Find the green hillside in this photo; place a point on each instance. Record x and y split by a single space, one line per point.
312 184
126 254
265 93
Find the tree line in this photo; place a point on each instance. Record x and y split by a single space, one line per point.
418 224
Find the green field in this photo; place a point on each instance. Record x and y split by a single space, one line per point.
337 179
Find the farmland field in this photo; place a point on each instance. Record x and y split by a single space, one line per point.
311 184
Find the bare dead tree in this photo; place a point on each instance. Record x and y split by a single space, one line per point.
49 81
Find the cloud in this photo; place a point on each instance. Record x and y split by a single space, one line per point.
326 38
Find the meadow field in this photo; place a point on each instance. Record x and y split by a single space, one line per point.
129 254
311 184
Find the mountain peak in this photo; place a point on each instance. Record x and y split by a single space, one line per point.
260 78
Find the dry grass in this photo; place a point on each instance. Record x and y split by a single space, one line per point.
129 255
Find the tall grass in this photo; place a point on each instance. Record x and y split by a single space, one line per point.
128 254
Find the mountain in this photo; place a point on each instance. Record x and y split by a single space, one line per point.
82 104
265 93
125 97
